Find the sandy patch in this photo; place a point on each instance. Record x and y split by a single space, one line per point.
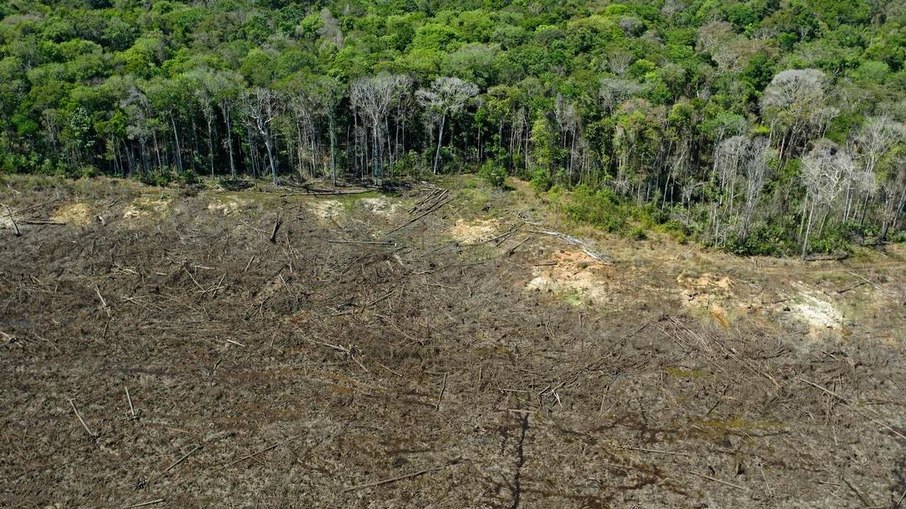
326 209
227 207
474 232
146 207
815 309
380 206
575 275
705 290
709 293
5 222
74 214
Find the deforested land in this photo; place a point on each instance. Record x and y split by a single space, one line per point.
449 344
452 254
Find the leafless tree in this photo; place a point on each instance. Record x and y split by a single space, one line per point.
569 123
446 97
138 111
226 88
374 98
330 28
616 90
795 105
262 106
756 173
826 171
619 61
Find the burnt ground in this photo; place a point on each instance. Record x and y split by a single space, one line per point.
471 358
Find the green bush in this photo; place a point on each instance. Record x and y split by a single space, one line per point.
765 239
493 173
541 180
600 208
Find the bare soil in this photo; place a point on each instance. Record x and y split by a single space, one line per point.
428 349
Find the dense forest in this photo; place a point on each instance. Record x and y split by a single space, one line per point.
759 126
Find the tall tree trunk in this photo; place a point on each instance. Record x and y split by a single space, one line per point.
176 140
333 148
440 139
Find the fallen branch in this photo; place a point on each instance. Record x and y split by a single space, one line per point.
499 239
725 483
131 408
13 221
377 242
413 220
510 251
273 237
393 479
832 257
655 451
581 244
46 222
248 456
443 389
76 410
173 465
143 504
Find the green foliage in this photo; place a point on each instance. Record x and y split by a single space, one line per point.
493 173
626 103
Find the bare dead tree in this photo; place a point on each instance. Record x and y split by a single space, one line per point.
795 105
874 140
374 97
757 171
827 170
446 97
330 30
261 107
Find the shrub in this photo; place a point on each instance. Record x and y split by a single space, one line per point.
493 173
541 180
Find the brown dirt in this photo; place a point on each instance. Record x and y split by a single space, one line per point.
340 367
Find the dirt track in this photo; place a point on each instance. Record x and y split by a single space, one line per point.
446 364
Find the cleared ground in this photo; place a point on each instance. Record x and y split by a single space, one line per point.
448 345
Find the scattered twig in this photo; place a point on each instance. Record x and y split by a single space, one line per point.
725 483
131 408
443 389
655 451
375 242
900 501
76 410
862 498
857 410
393 479
97 290
248 456
45 222
173 465
379 299
143 504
